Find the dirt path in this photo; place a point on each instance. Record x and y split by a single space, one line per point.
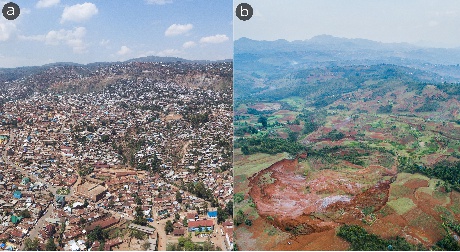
184 150
162 237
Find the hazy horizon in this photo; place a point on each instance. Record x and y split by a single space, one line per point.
425 23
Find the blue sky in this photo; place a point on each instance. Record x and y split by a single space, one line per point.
88 31
431 23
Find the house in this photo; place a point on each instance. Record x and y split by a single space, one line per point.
228 224
144 229
112 243
15 220
229 237
60 200
104 223
25 181
179 232
194 226
192 217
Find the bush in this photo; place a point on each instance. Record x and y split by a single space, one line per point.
360 239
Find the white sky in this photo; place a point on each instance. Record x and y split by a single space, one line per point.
434 23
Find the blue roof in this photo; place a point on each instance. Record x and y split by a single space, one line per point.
212 214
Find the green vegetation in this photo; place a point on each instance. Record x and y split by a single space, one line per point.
447 243
63 191
262 120
401 205
31 245
139 217
186 243
385 109
243 130
309 127
200 190
428 106
447 171
267 145
372 116
97 235
229 208
238 197
334 135
50 245
221 215
360 239
137 234
25 213
169 228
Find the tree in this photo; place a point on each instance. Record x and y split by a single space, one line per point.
146 246
176 216
293 136
185 222
221 215
178 197
448 243
205 207
111 204
239 218
138 200
245 150
263 121
31 245
229 208
50 245
104 138
97 235
25 213
169 228
137 234
139 218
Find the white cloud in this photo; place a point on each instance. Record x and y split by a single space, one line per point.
189 44
7 28
169 52
177 29
124 50
72 38
159 2
79 12
219 38
47 3
104 42
32 38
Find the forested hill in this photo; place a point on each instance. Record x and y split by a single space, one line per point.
276 69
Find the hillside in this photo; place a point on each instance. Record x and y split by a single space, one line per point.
341 145
19 83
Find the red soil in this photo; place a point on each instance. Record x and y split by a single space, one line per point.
377 135
416 183
284 194
326 240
